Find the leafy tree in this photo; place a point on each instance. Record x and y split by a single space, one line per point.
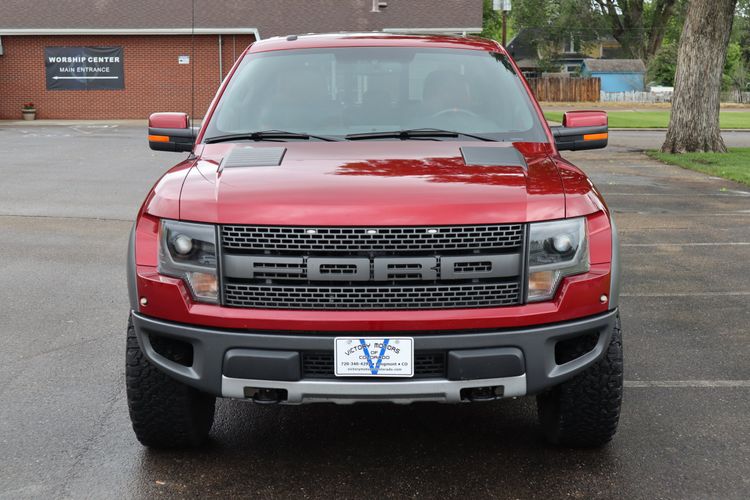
732 64
555 23
736 75
639 25
662 67
741 30
739 79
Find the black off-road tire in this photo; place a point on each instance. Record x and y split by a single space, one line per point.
584 411
165 413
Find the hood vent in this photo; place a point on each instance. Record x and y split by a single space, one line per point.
253 157
493 156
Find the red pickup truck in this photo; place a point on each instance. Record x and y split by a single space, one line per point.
374 218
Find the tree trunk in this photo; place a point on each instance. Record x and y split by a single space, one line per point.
694 122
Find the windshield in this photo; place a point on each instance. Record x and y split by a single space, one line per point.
339 92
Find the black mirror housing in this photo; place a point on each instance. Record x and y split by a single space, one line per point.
172 139
580 138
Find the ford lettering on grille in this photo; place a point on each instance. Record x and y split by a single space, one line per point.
372 269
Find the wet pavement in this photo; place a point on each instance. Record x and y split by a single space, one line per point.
67 199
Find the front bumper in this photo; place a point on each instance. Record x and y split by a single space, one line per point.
525 361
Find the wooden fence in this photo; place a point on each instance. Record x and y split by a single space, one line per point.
565 89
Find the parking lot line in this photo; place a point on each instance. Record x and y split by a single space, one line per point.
739 213
65 217
735 194
686 294
686 383
705 244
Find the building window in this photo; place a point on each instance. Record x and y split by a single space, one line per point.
569 46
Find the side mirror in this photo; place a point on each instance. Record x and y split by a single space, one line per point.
170 132
582 130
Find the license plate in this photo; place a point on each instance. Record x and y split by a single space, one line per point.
374 357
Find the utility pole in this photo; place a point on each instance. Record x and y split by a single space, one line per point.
505 30
504 7
377 5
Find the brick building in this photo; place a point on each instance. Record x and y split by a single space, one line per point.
154 61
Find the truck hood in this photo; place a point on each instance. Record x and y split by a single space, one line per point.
372 183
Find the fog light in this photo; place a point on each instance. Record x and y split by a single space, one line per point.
603 299
144 301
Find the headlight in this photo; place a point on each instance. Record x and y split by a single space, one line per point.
188 251
556 249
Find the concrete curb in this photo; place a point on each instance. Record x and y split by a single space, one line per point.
650 129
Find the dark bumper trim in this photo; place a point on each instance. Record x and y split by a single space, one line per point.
537 344
495 362
262 364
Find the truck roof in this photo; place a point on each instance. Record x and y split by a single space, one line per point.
375 39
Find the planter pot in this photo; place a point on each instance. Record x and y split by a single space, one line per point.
29 114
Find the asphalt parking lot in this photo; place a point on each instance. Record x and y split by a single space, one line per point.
67 198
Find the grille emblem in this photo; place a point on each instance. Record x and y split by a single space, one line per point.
447 267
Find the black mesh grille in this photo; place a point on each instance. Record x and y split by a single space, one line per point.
472 267
320 365
286 239
429 365
317 364
372 297
287 281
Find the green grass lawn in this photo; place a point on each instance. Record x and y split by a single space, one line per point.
734 165
658 119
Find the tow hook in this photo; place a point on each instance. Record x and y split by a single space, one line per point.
476 394
263 396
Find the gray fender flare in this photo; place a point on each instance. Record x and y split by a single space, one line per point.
616 270
131 272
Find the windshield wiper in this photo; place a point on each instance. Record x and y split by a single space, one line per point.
268 135
415 133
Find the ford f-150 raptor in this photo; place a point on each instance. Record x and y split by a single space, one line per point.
374 218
